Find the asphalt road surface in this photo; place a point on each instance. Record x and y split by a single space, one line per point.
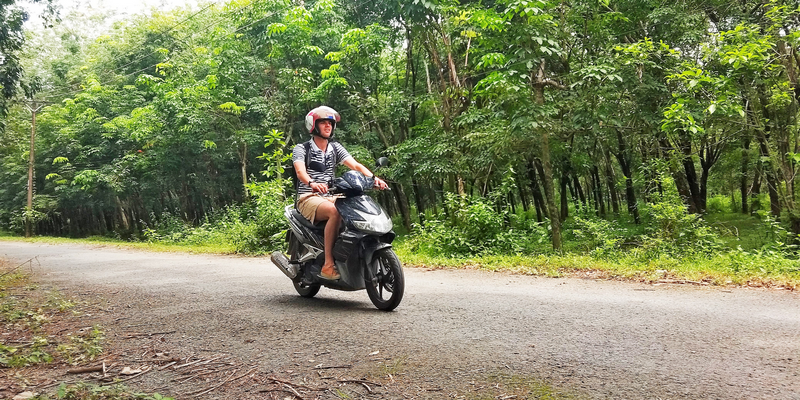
597 339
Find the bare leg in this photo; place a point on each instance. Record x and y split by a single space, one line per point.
327 212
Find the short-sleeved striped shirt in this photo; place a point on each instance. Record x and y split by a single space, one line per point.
320 166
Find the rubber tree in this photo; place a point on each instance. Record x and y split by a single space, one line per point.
527 70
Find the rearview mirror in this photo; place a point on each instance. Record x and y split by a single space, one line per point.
381 162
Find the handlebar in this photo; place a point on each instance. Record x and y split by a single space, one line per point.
333 190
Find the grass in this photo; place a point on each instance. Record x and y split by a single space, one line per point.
748 258
33 319
747 262
519 387
43 327
205 248
86 391
737 268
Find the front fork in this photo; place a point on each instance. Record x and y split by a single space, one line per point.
368 255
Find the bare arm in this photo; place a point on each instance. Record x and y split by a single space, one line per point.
303 176
357 166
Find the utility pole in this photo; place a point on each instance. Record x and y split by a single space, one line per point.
29 210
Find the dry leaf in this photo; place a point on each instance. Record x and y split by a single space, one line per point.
129 371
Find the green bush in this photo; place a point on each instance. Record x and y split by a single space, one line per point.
674 231
722 205
601 237
253 228
476 227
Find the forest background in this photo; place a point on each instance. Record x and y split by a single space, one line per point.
650 139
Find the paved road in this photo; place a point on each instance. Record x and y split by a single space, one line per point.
601 339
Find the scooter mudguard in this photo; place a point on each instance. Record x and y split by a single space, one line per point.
370 252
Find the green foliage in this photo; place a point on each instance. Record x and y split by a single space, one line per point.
82 348
88 391
721 205
476 227
23 356
170 136
776 238
274 156
253 228
599 236
674 231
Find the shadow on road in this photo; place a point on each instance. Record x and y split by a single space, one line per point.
322 304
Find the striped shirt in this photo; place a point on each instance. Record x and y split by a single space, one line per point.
320 166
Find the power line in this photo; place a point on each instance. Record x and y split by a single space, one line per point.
162 34
174 40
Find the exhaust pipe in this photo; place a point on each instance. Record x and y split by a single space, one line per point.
280 261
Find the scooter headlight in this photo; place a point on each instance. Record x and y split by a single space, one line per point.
376 226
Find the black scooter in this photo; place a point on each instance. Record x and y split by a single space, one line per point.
363 251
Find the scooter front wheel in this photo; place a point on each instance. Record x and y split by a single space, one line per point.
385 282
306 291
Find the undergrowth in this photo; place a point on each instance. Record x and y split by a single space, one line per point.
253 228
506 386
27 313
86 391
670 244
44 327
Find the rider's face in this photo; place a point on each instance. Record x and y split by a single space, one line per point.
325 127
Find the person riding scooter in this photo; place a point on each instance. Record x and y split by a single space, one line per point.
315 163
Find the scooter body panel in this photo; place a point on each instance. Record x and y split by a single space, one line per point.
366 228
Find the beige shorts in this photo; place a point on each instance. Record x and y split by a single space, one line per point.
308 203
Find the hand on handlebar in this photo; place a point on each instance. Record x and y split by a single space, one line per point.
380 184
319 187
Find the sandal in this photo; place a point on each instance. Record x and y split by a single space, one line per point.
335 276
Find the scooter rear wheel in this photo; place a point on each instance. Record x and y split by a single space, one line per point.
306 291
386 287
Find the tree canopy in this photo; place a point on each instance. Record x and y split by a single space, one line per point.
541 105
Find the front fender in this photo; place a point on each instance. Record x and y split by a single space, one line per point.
369 252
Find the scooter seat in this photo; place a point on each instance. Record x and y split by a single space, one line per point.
303 221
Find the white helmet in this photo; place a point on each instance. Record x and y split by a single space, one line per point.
321 112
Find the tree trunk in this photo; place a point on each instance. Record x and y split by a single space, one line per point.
547 179
704 187
539 203
418 198
769 174
611 183
123 218
579 189
755 193
691 177
744 171
576 201
794 223
243 158
709 155
624 164
598 189
547 176
523 197
539 81
769 170
402 203
564 181
681 184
